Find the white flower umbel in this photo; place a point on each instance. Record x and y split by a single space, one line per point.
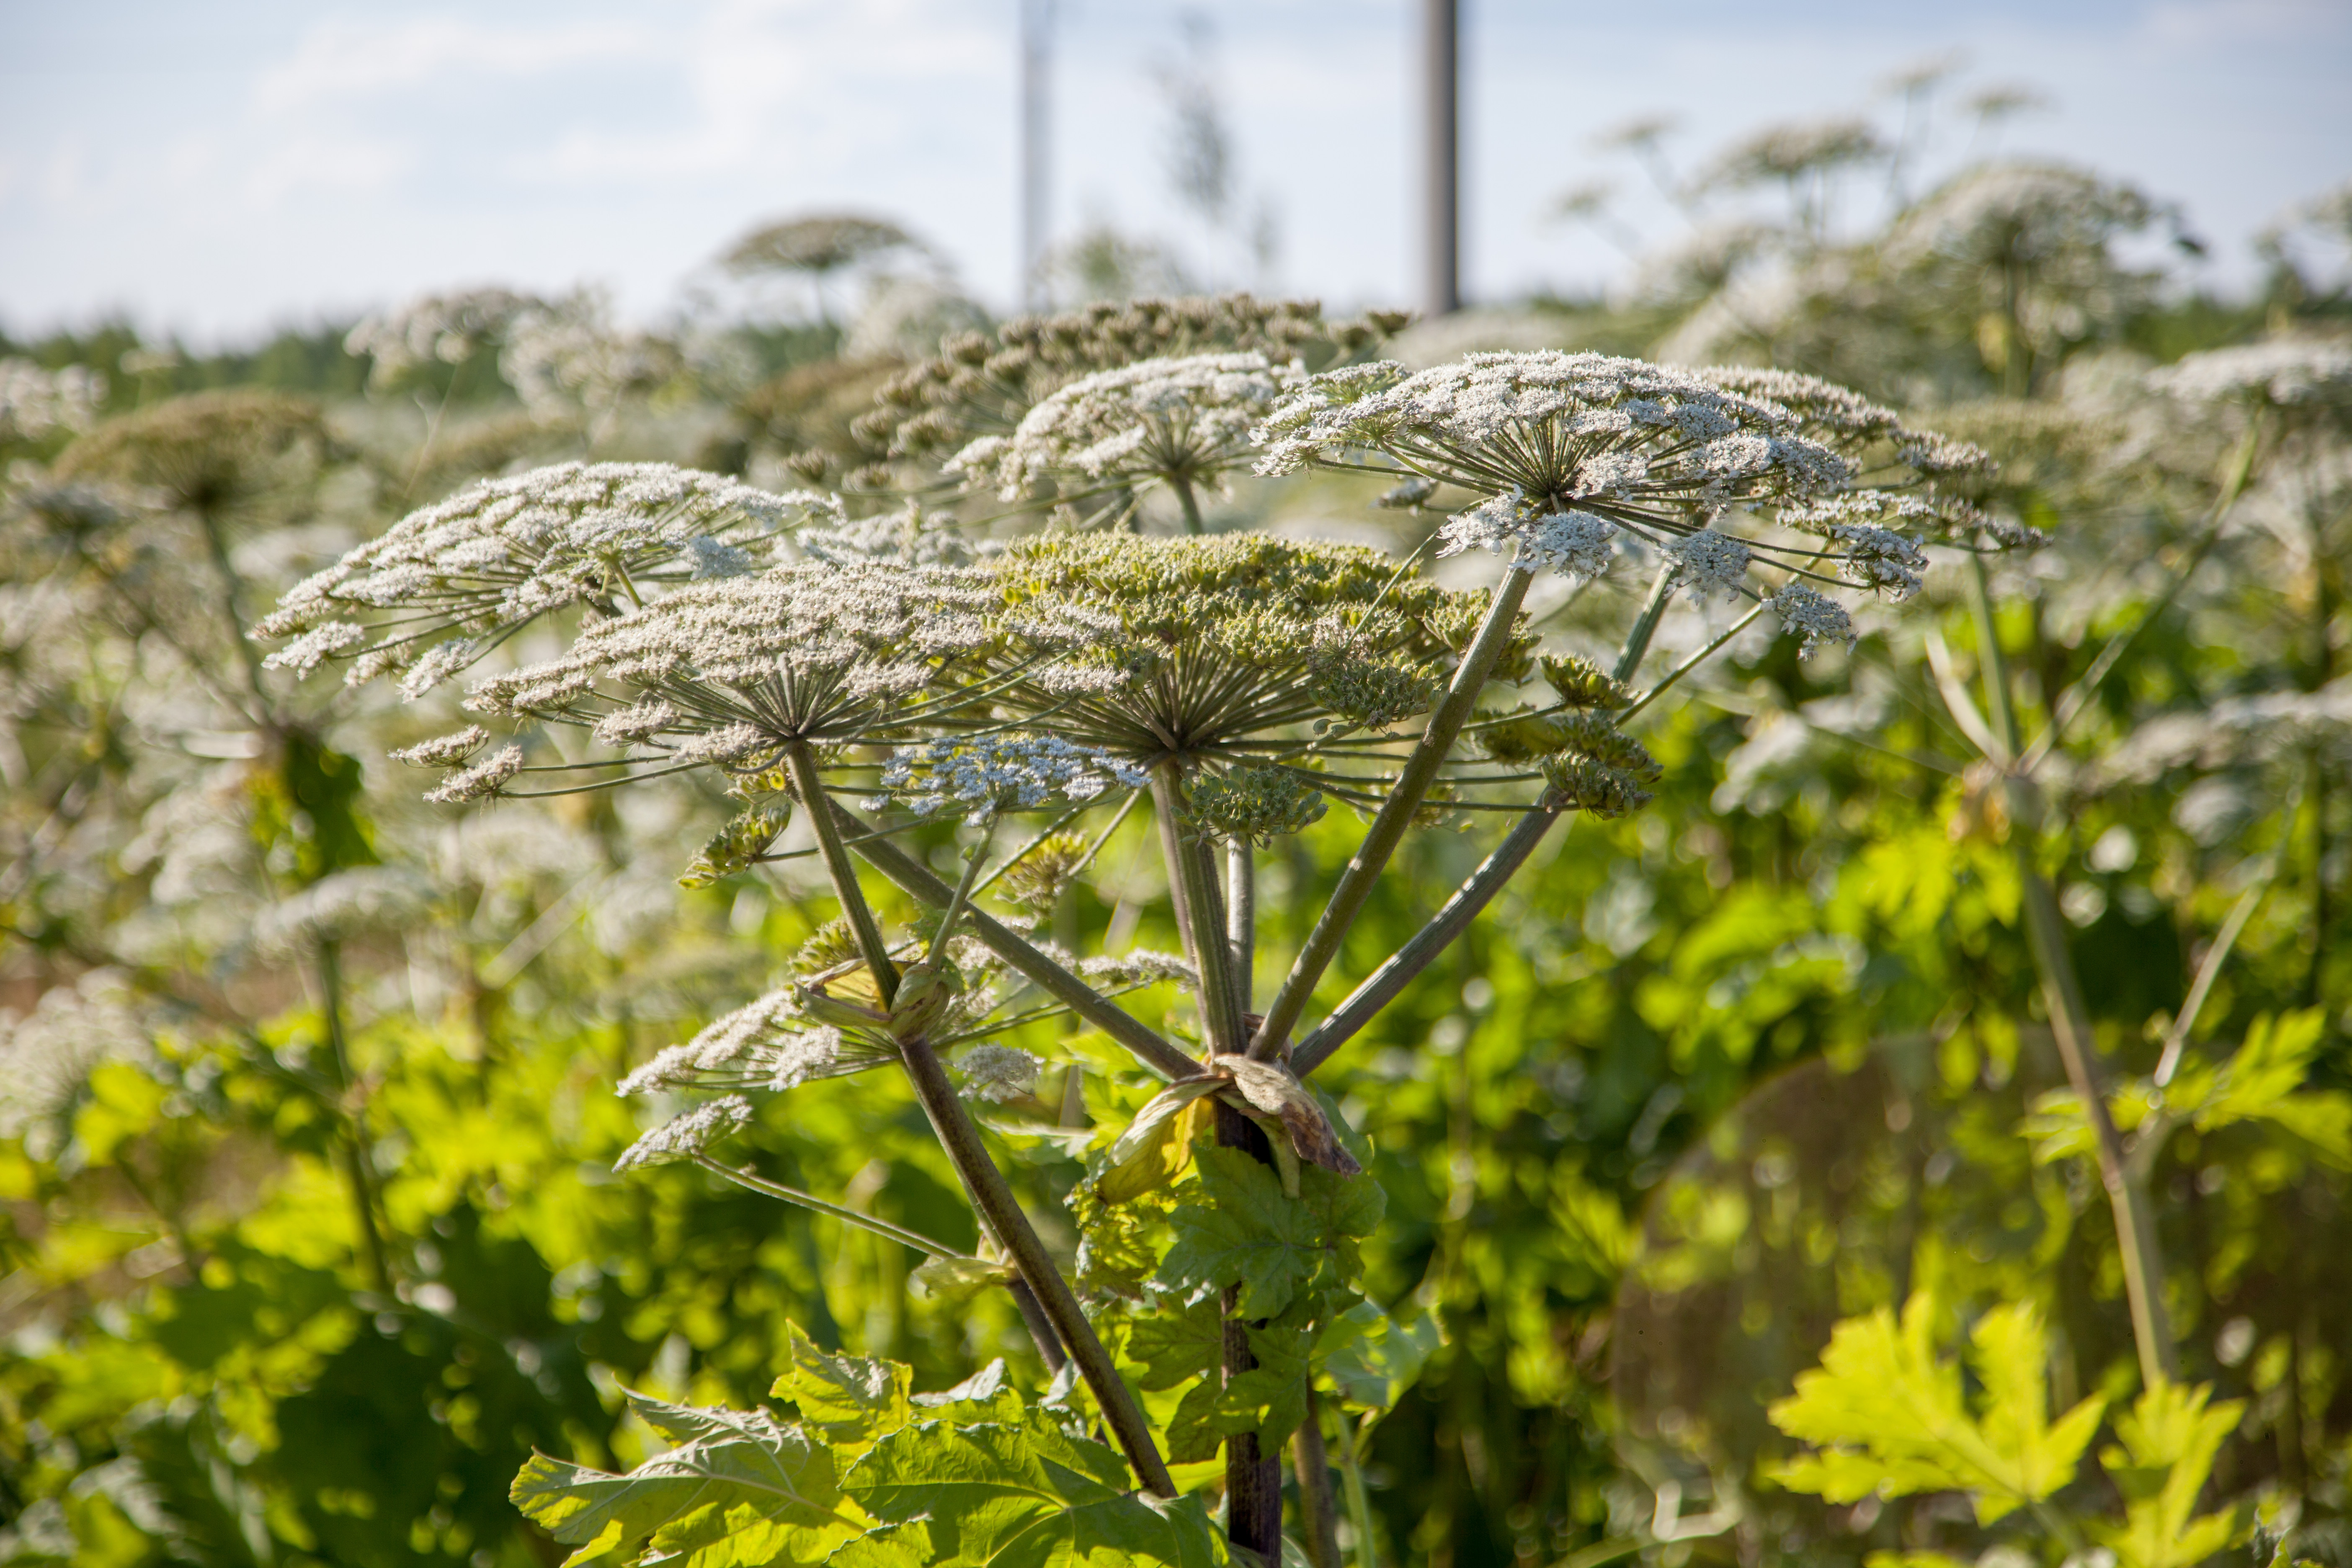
1813 619
732 671
483 778
981 778
1575 544
2286 372
769 1044
688 1135
451 328
1653 450
910 537
998 1073
501 552
1711 563
34 401
1173 421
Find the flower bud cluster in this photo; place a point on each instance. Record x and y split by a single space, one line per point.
1256 804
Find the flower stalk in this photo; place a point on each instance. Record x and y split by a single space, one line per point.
1396 815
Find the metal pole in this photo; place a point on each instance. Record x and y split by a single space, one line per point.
1037 145
1441 34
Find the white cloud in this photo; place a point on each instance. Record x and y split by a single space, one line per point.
337 165
340 60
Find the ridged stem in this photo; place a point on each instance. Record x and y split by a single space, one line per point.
1395 815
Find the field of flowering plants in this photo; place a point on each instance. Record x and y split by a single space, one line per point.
1704 928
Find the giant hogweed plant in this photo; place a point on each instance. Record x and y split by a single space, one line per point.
1035 691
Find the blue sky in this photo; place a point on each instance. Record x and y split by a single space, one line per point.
218 168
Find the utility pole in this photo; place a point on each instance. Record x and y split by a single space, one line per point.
1440 39
1036 146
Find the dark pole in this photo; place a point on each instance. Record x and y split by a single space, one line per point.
1037 141
1441 34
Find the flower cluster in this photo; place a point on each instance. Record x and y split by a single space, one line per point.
984 777
771 1044
980 385
1573 454
2285 372
1816 619
999 1073
451 328
731 671
1228 645
1256 804
685 1137
34 401
1172 421
1576 544
503 551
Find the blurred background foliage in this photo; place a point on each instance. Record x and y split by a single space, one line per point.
307 1233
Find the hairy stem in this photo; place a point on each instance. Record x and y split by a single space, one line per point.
1471 898
1403 966
1319 1514
1396 815
916 880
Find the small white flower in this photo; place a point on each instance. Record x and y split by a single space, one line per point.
482 779
1711 563
1813 619
998 1073
1010 772
689 1135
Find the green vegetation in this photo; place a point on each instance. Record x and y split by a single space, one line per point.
1920 1134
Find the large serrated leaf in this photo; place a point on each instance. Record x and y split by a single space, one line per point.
1245 1231
741 1486
1371 1359
851 1400
1028 1496
1891 1418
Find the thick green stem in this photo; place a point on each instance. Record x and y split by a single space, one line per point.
1646 624
1319 1514
1360 1499
1396 815
2136 1237
1253 1478
1241 919
917 880
1185 498
1192 883
844 872
1405 964
991 1195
